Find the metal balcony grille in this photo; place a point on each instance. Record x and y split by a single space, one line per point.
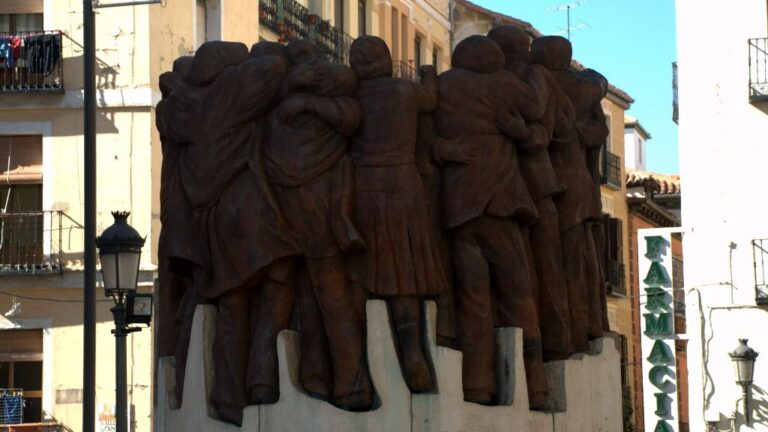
290 20
333 42
758 69
33 242
404 70
610 170
31 62
616 283
759 257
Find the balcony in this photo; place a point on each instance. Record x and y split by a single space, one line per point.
616 280
31 62
759 257
32 243
34 427
758 70
404 70
290 20
333 42
610 170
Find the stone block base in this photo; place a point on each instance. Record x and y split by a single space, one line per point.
585 391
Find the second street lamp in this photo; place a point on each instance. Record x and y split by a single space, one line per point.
120 252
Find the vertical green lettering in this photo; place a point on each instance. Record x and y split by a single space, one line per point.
660 353
657 275
656 299
661 404
663 426
657 376
654 247
658 325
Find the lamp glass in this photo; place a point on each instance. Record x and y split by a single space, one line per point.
109 271
744 369
142 306
128 263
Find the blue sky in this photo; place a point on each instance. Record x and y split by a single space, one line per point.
632 43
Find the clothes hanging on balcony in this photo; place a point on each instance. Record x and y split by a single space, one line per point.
43 52
10 49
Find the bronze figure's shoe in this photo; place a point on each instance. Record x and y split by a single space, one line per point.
361 400
264 394
317 388
478 397
537 400
230 414
418 375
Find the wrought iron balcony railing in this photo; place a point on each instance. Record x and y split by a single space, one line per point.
287 18
333 42
616 283
33 242
31 62
290 20
610 170
404 70
758 70
759 258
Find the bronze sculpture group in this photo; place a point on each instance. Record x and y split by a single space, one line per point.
294 189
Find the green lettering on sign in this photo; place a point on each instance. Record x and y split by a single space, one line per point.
657 275
661 404
663 426
658 325
660 353
656 299
656 377
654 247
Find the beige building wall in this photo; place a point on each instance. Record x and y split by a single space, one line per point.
134 46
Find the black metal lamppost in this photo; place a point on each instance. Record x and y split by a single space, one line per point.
120 250
743 358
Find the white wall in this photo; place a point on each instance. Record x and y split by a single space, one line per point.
723 151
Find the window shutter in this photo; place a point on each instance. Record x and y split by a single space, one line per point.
21 159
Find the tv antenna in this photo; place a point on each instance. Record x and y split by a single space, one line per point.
567 7
581 25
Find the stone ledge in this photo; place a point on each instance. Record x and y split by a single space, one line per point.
589 388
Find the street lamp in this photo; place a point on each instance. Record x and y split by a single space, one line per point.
120 251
743 358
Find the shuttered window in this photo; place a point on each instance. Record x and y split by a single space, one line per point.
614 255
21 159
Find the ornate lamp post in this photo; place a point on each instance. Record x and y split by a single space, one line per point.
743 358
120 251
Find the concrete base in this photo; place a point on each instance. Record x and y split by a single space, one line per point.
585 392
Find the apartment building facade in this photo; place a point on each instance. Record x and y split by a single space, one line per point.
41 144
722 122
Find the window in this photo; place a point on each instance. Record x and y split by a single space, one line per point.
417 52
21 367
639 152
361 17
395 35
613 255
338 14
436 58
208 17
21 200
21 16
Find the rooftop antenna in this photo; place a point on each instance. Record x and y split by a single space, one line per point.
567 7
581 25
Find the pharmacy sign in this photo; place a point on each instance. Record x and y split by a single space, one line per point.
657 316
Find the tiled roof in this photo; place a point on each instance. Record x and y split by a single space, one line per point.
660 184
632 122
534 32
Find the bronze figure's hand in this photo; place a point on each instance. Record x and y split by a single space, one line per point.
291 107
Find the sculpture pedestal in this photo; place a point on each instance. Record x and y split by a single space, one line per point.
585 391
